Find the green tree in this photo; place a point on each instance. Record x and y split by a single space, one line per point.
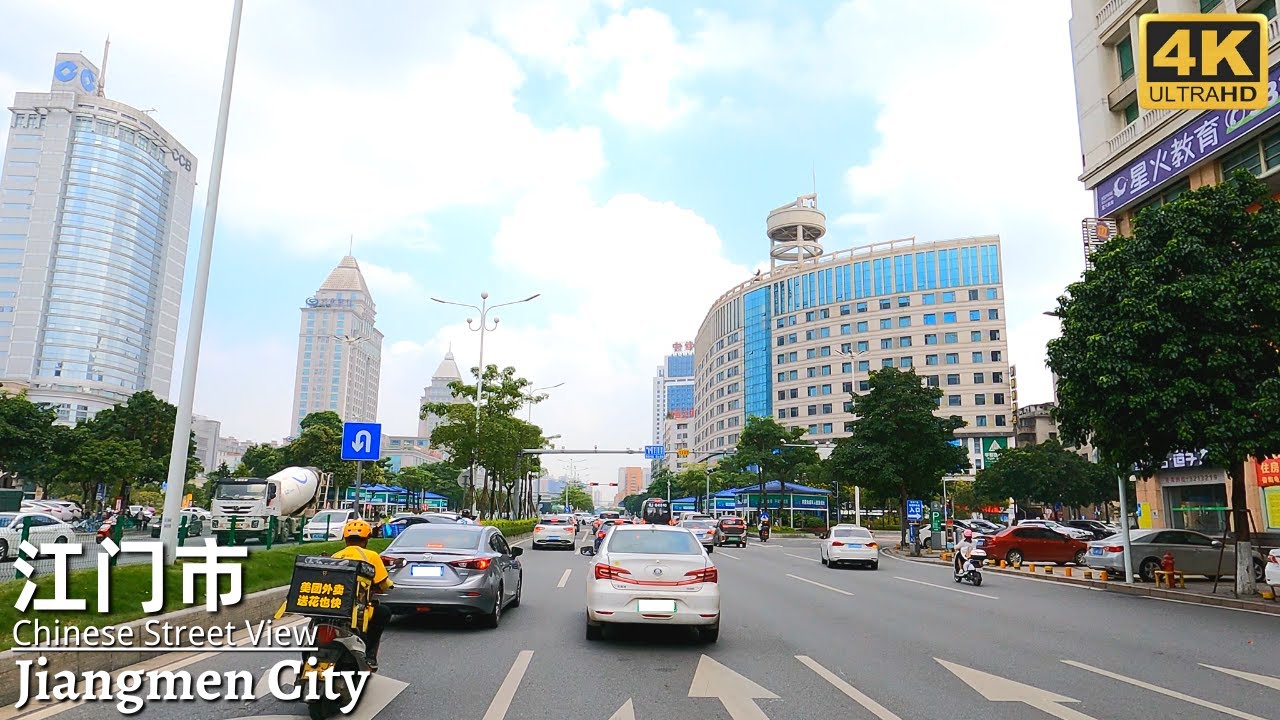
1045 473
325 418
25 436
440 478
1169 343
899 446
764 442
457 432
105 460
579 499
148 421
261 461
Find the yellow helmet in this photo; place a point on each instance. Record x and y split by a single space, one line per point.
356 528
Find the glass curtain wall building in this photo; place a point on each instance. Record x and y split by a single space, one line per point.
780 344
95 210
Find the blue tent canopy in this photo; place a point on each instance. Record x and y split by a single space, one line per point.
433 496
774 486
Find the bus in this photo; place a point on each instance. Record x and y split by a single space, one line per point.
655 511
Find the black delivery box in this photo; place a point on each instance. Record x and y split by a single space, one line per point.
327 586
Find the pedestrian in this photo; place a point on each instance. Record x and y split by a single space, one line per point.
466 518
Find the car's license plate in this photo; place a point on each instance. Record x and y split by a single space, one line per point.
1096 551
553 538
857 545
659 606
425 571
317 536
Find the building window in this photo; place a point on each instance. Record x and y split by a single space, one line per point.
953 400
948 317
977 357
993 294
846 329
930 359
885 304
929 298
953 358
1000 421
975 336
975 315
994 334
904 321
1168 195
887 362
931 339
1130 113
886 323
950 338
886 343
949 296
982 421
1207 5
864 365
996 355
978 378
930 319
973 294
997 398
864 385
826 408
904 341
993 314
1124 53
980 399
862 326
862 307
905 362
953 379
863 346
904 301
997 377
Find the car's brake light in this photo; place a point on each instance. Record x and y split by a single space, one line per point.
473 564
1113 548
600 534
610 572
706 574
836 543
392 562
539 528
1273 559
872 544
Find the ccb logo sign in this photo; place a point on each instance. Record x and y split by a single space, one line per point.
1202 62
67 71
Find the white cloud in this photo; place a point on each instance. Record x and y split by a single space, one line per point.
386 284
250 405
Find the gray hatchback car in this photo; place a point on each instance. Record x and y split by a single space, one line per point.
463 570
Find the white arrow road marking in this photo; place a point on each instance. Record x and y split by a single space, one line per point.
626 712
564 578
735 692
507 691
825 587
801 557
944 587
378 693
1165 691
998 689
1264 680
854 693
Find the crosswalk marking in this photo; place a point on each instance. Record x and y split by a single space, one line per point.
1264 680
854 693
1165 691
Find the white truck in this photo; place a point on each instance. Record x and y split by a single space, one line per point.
252 502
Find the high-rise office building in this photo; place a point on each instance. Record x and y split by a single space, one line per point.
95 211
438 392
339 350
672 393
630 482
794 343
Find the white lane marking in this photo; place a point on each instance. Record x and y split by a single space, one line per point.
564 578
1165 691
728 555
854 693
1264 680
507 691
626 712
944 587
1220 607
998 689
826 587
801 557
737 693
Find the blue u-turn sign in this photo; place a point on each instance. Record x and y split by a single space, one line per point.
361 441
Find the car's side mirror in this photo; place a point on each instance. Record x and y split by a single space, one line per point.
1217 543
517 551
588 550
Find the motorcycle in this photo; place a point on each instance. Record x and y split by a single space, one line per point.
325 589
764 533
971 570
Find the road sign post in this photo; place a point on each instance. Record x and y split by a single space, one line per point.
915 510
360 442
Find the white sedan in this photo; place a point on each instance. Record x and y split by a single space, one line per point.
653 574
1273 567
43 528
850 544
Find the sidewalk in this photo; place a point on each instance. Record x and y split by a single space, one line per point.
1199 591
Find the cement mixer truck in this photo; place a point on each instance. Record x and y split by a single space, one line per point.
252 502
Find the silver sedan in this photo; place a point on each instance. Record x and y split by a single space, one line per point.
1193 553
464 570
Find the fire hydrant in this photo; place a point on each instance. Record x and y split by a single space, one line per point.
1166 562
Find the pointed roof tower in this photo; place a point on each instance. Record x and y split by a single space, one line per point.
448 369
346 277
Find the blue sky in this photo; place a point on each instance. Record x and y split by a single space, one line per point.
618 157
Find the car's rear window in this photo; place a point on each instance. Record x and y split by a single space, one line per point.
698 524
653 542
430 536
851 532
731 522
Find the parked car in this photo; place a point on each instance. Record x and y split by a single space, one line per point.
1194 553
396 525
327 525
1273 567
851 544
44 528
653 574
704 529
1033 543
195 523
731 530
1056 526
466 570
1096 528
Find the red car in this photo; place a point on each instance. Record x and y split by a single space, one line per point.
1033 544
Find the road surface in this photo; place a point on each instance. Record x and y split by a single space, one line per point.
800 641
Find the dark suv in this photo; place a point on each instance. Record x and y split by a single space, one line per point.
731 531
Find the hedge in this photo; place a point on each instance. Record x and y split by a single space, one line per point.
512 527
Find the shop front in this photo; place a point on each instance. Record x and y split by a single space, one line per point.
1188 494
798 500
1267 473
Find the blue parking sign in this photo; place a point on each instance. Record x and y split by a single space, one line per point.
915 510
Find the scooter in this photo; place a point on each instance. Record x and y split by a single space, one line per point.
971 570
764 533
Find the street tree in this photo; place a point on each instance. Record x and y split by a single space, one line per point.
148 421
900 447
25 436
1170 342
768 445
1046 473
457 432
440 478
578 498
105 460
260 461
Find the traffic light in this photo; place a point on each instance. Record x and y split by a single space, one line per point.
608 484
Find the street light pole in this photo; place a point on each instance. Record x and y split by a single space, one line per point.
532 393
177 478
484 309
853 390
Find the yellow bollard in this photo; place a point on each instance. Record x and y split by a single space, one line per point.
1088 574
1004 563
1267 592
1031 567
1048 569
1066 571
1102 575
1017 566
